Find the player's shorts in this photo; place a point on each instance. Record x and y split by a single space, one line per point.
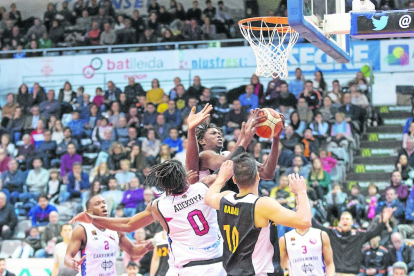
215 269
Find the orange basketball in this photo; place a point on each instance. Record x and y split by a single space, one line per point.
271 125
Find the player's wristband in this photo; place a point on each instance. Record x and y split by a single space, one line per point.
237 152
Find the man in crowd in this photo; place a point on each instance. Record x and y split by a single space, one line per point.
50 107
3 270
46 151
400 252
172 115
248 99
375 259
40 213
13 180
399 269
59 267
78 181
235 117
68 160
161 128
8 218
133 90
391 201
50 236
174 142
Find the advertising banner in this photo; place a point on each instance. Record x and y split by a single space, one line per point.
397 55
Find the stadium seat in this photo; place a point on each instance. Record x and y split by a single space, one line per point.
22 226
8 247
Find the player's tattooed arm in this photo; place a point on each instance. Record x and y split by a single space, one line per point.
117 224
134 250
283 253
213 195
192 154
75 245
328 255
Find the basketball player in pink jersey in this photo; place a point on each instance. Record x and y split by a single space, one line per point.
207 139
98 245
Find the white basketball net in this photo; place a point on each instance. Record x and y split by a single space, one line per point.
270 48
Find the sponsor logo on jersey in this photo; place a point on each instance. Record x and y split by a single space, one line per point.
94 233
312 241
184 196
292 239
231 210
307 268
107 265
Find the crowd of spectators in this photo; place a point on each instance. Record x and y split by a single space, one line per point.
59 149
96 23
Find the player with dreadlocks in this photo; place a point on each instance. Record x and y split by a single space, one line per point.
195 243
205 143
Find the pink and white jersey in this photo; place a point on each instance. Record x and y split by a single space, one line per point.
101 251
202 174
193 232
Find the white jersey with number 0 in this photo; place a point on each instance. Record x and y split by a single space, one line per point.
193 232
305 253
101 251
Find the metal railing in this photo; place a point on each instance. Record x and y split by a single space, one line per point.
129 47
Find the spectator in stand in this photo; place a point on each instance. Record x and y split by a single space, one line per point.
13 180
336 94
312 96
126 35
153 6
50 236
78 181
150 116
320 83
286 98
23 98
391 201
310 144
125 175
298 167
7 111
340 132
8 219
99 98
328 110
173 141
83 23
7 145
62 147
328 162
32 120
399 268
37 179
296 85
151 145
16 124
172 115
304 112
68 160
38 95
112 94
93 8
31 244
404 167
40 213
356 203
113 196
194 12
353 113
173 92
50 107
77 125
137 159
153 24
249 100
206 98
400 252
108 36
132 197
59 267
319 179
319 127
137 23
297 125
358 98
164 154
37 136
408 135
53 186
291 138
24 153
133 90
192 31
100 174
147 38
282 193
223 15
155 94
375 259
164 17
3 270
56 33
93 35
196 89
161 128
235 117
116 155
399 186
409 151
37 29
181 97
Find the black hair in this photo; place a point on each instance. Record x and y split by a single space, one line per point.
132 264
89 201
245 170
169 176
43 196
202 129
309 81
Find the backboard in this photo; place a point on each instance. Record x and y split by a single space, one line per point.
308 17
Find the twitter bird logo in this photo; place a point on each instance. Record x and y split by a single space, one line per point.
380 24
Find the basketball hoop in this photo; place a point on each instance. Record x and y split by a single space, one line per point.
271 39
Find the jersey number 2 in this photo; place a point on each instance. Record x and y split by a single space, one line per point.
234 237
195 225
106 245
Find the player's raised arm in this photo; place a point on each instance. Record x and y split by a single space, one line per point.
213 195
269 209
327 255
192 159
118 224
267 170
78 238
134 250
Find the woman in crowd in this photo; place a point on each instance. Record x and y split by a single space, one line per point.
7 145
101 174
319 179
137 159
16 124
23 98
155 94
116 154
319 82
57 132
328 110
151 145
66 97
335 200
98 132
340 132
298 125
258 88
404 167
7 111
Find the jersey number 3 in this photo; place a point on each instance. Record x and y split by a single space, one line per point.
196 226
234 237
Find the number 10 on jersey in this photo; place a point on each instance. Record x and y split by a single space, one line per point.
234 234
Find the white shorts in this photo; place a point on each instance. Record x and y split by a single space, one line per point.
215 269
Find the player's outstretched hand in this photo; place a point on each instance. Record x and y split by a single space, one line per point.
148 244
192 176
77 263
82 217
194 119
226 170
296 183
387 214
277 134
